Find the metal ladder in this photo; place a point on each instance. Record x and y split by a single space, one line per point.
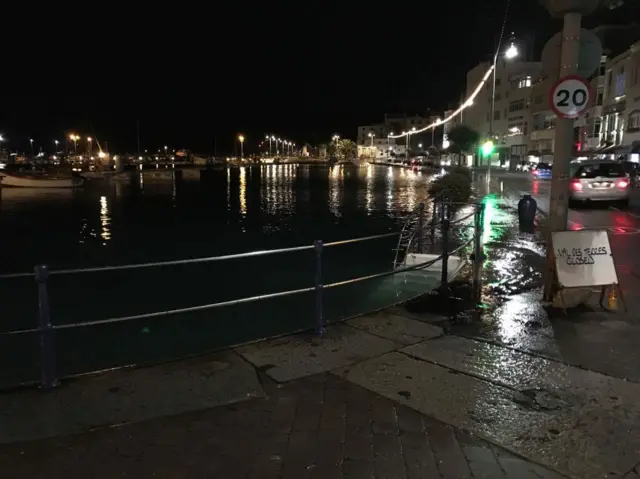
414 225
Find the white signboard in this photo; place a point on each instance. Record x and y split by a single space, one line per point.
583 258
569 97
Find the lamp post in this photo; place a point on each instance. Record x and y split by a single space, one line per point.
241 140
55 142
89 144
31 143
269 138
433 132
389 145
75 139
571 12
509 54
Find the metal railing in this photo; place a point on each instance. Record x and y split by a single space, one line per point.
49 378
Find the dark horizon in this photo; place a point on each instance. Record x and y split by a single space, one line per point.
301 72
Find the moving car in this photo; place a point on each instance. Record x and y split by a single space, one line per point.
542 171
599 180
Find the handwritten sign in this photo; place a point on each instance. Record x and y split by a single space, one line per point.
583 258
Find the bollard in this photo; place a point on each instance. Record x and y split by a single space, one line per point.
444 278
48 377
527 208
420 226
320 330
478 256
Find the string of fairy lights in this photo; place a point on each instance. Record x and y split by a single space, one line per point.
467 103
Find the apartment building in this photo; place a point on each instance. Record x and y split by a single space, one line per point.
631 137
621 105
511 107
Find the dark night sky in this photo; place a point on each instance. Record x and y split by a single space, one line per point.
302 70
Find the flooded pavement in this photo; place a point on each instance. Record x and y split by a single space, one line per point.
574 421
511 314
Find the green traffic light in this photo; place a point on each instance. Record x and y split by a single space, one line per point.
487 148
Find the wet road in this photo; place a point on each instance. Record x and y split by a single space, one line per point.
623 226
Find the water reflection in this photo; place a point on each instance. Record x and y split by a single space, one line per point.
308 202
369 193
243 191
335 175
105 220
390 177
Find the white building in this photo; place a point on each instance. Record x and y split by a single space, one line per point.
511 109
621 106
631 137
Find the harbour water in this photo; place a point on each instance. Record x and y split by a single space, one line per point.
164 215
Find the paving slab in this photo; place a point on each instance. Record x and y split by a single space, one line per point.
293 357
318 427
398 329
580 434
125 396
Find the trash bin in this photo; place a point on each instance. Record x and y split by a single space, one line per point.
527 208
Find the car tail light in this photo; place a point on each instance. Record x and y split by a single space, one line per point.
535 172
576 185
622 184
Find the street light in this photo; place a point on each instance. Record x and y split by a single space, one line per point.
31 142
75 139
89 140
241 139
165 150
509 54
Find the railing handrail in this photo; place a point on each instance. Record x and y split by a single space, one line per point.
208 259
233 302
46 329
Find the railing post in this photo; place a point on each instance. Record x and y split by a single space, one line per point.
444 278
48 377
420 226
434 217
478 256
318 246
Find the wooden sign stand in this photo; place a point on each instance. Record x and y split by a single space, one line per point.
583 259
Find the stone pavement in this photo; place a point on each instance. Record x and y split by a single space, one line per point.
317 427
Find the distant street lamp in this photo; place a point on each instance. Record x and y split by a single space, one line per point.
89 144
241 139
165 150
269 138
75 139
31 142
55 142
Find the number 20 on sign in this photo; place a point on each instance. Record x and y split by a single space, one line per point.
570 96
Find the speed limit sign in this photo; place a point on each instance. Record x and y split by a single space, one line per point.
570 96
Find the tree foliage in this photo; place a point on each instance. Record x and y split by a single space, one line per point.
346 150
463 139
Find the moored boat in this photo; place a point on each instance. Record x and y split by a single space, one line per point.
40 180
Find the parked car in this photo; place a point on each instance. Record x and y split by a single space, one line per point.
542 171
633 172
599 180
